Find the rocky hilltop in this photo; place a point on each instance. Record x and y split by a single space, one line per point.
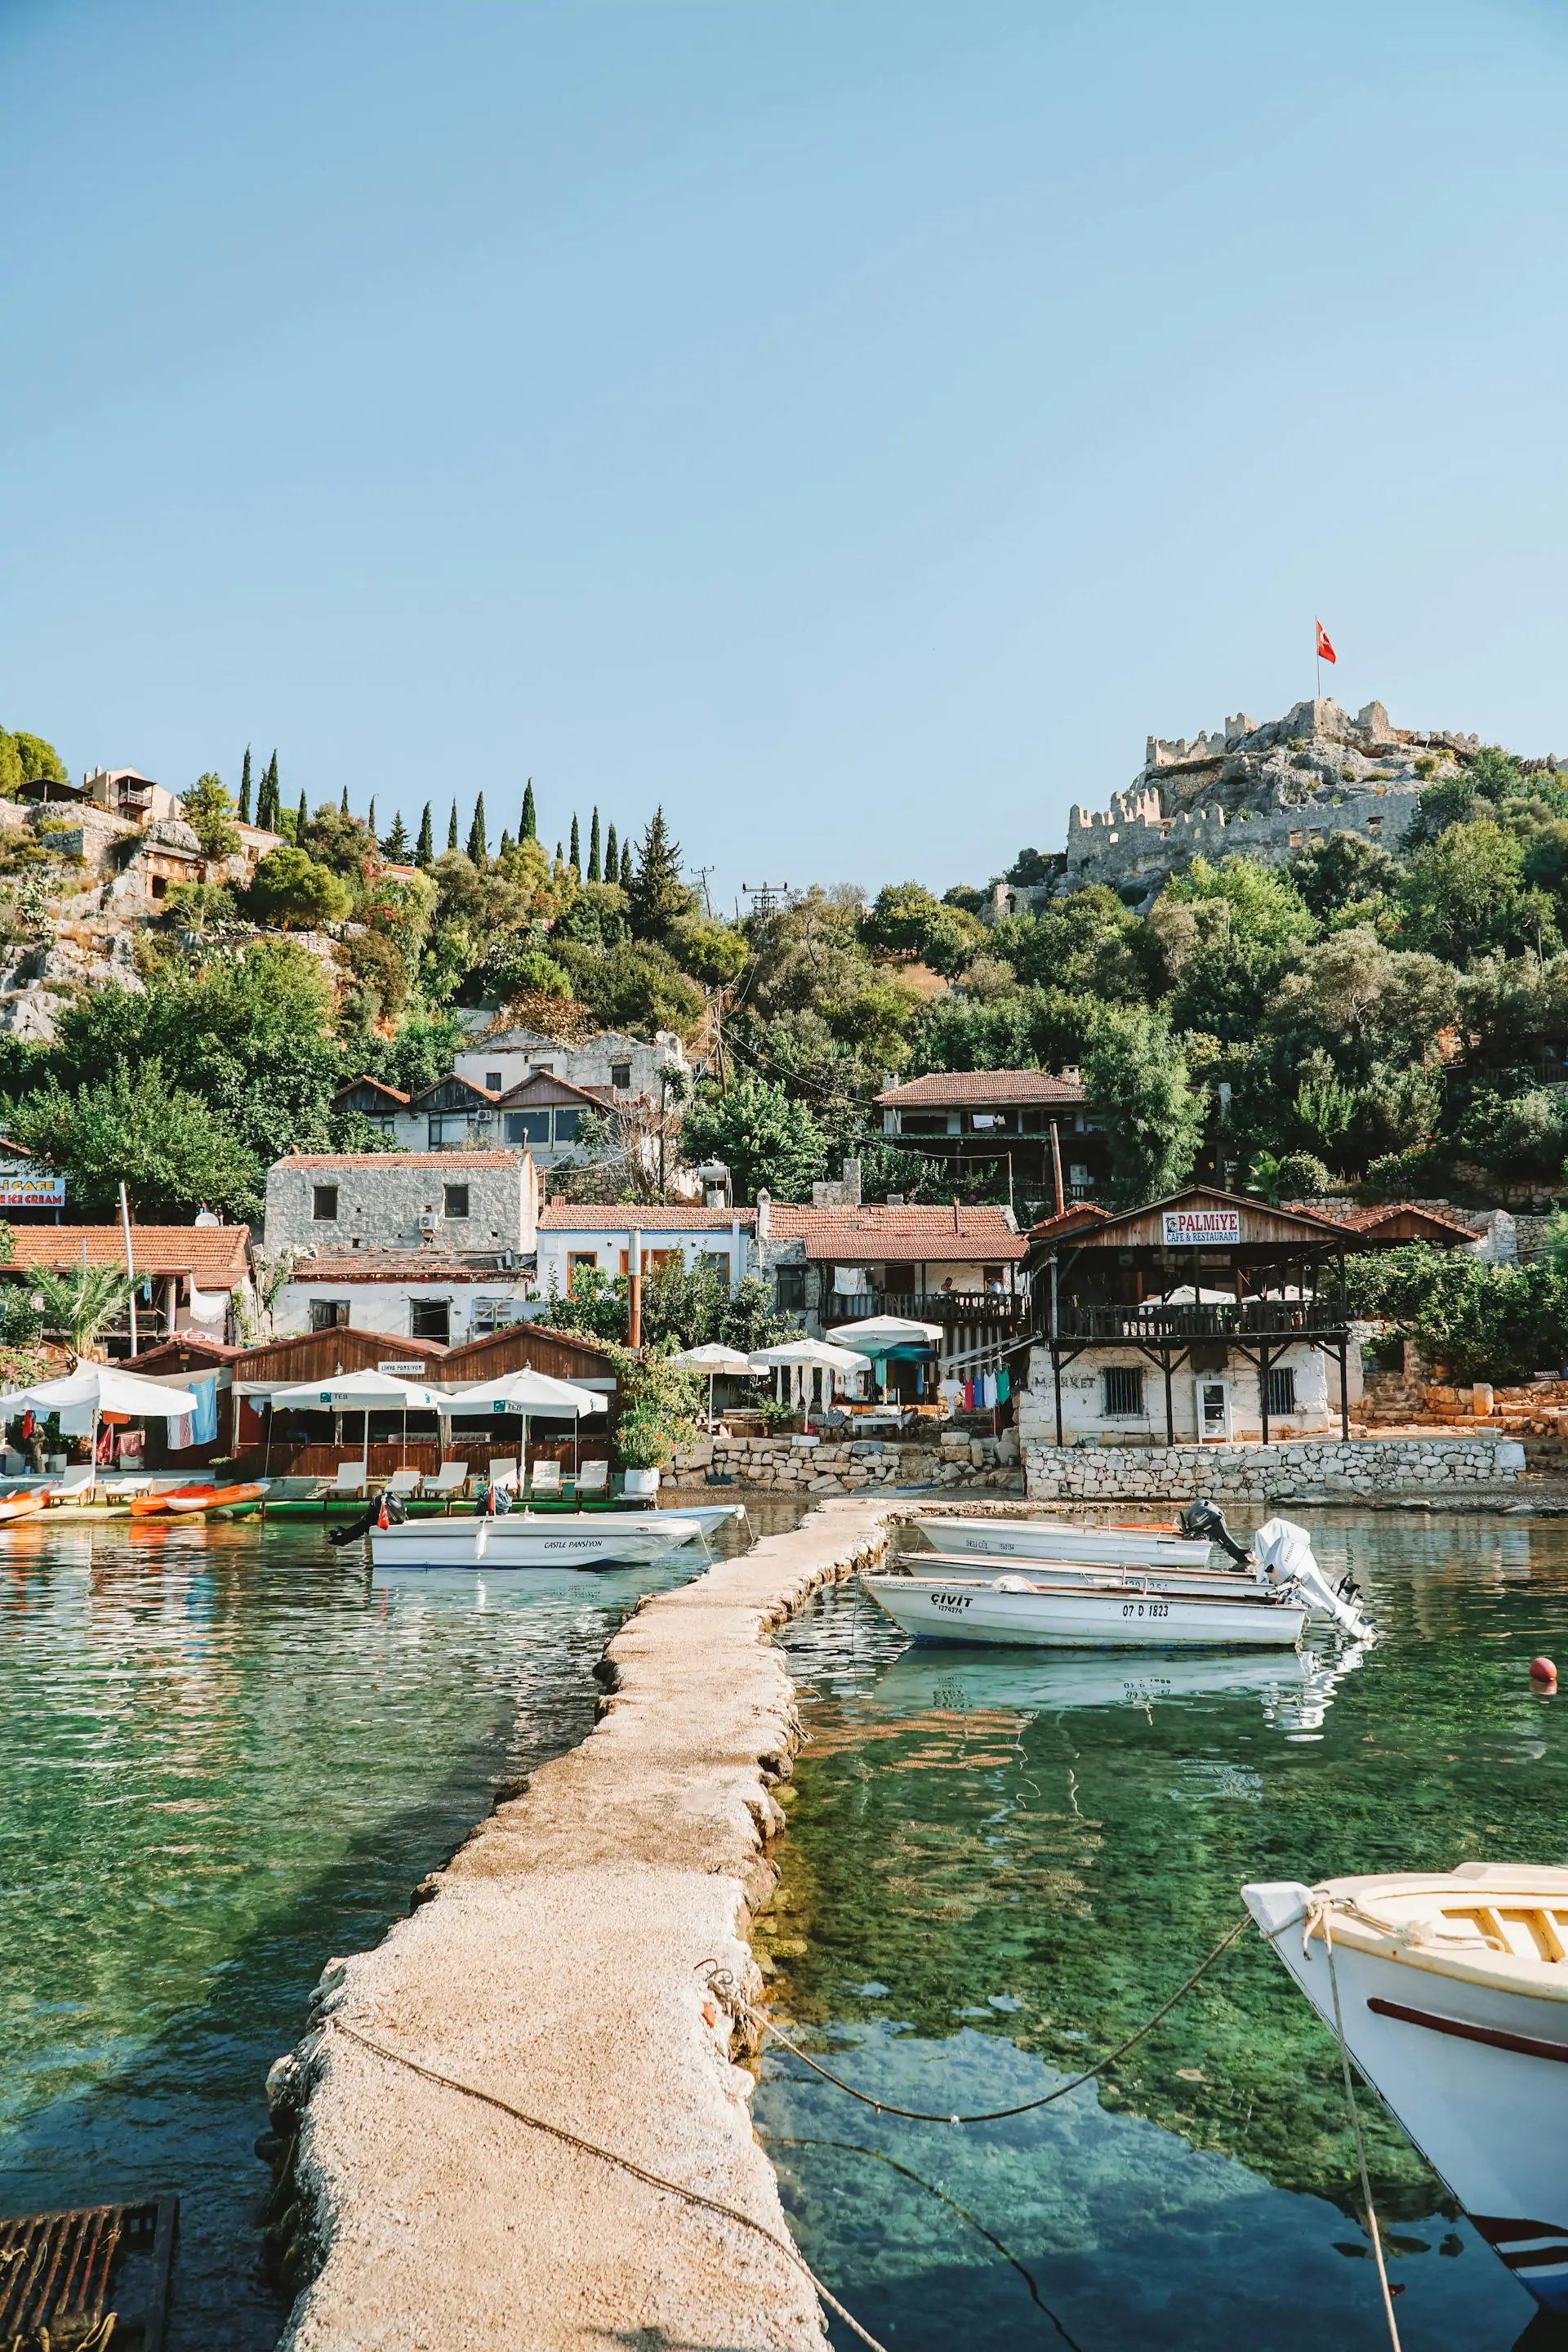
1263 789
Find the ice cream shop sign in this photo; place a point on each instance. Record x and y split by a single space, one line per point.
24 1185
1202 1228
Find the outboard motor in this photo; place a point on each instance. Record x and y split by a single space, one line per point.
1285 1559
1204 1523
352 1529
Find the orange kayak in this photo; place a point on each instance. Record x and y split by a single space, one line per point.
193 1502
25 1506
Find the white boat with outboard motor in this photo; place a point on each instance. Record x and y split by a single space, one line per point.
1031 1613
1281 1559
1060 1539
1453 2000
542 1540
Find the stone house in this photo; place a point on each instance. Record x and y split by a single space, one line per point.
1027 1121
621 1068
575 1235
430 1245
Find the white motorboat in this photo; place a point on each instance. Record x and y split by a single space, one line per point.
1281 1561
1018 1610
1058 1539
545 1539
1453 1992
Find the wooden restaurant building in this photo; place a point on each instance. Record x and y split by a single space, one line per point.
1208 1317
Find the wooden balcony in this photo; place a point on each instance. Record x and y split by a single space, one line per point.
1156 1324
1006 1311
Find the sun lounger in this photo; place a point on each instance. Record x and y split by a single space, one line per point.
74 1483
450 1481
350 1479
546 1478
403 1482
503 1472
594 1477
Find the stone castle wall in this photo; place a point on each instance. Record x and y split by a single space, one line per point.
1147 848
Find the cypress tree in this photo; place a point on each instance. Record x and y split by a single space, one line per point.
625 865
594 847
506 847
303 820
266 806
425 848
343 804
560 861
244 789
612 858
529 820
370 820
478 848
575 859
452 828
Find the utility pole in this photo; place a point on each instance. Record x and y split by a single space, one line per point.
130 1262
766 896
702 874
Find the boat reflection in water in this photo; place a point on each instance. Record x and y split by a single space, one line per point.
1296 1687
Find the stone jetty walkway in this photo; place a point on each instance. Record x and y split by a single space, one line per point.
558 1966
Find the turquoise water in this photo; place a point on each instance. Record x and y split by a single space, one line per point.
225 1756
998 1865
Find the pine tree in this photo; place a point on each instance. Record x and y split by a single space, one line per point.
575 859
343 804
658 895
625 865
529 820
478 848
370 821
612 858
594 849
396 843
244 789
424 847
452 828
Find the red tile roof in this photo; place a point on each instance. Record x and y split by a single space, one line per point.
1369 1219
397 1266
1077 1215
213 1255
400 1160
909 1235
979 1086
376 1086
590 1217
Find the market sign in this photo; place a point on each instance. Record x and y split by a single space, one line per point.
1201 1228
21 1188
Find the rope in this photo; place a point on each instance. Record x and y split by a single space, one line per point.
622 2163
1371 2228
722 1985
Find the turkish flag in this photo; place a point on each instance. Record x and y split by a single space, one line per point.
1325 650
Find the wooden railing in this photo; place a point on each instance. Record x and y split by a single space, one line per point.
1008 1310
1263 1319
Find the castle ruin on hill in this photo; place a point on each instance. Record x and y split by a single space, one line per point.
1264 790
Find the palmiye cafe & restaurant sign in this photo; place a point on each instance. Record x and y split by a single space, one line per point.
1201 1228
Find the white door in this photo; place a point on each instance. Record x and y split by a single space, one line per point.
1213 1411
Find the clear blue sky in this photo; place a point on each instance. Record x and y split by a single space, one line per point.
857 423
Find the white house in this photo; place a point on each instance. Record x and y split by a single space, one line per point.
608 1064
575 1235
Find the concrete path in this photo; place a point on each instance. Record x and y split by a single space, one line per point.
558 1966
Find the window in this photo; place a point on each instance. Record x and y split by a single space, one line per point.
718 1259
566 1123
923 1122
987 1122
621 1077
493 1081
1123 1394
455 1201
527 1127
160 885
1079 1173
448 1130
541 1070
1281 1390
790 1282
579 1262
329 1314
324 1203
430 1319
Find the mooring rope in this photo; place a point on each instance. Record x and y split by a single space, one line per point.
724 1989
1372 2229
623 2163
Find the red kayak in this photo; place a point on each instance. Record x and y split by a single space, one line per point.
193 1502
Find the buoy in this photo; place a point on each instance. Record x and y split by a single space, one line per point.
1542 1670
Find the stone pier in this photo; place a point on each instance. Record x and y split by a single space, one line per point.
559 1963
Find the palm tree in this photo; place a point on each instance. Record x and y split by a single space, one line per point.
78 1306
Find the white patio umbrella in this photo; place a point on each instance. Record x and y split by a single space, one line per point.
811 1355
877 1333
363 1390
713 1359
528 1393
105 1389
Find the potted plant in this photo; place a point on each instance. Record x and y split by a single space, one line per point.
643 1447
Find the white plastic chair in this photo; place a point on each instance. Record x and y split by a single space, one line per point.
503 1472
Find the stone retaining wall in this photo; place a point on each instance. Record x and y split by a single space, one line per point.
790 1466
1258 1473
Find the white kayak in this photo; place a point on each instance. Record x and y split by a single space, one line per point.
1453 1991
523 1539
1150 1547
1015 1611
